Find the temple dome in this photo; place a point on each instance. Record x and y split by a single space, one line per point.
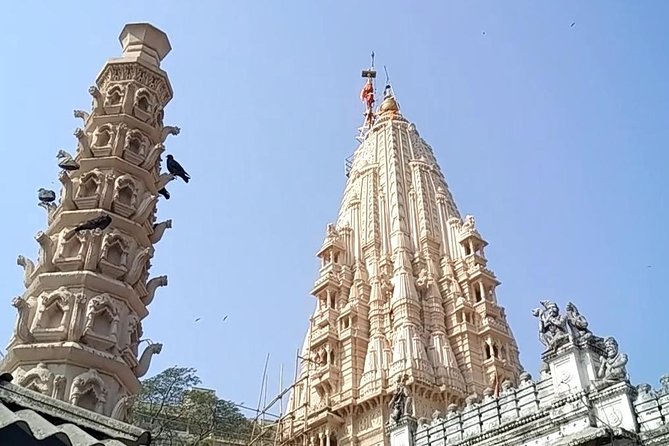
389 104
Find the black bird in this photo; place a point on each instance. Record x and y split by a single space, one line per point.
100 222
175 169
164 193
572 24
46 196
65 161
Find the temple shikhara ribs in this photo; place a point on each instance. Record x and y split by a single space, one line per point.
79 323
404 296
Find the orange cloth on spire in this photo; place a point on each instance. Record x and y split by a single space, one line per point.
367 94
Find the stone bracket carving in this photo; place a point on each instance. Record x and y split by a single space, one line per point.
151 288
46 251
22 323
66 201
163 180
145 361
159 230
97 105
28 269
168 130
81 114
50 209
84 143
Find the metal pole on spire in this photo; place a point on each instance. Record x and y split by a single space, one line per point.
367 97
388 90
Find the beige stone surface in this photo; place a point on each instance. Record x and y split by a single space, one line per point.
77 336
404 292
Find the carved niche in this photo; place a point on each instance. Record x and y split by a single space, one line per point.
125 196
42 380
144 105
104 140
136 146
102 319
53 315
70 250
89 190
114 99
88 391
114 255
131 350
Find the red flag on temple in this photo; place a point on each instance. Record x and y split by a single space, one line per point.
367 93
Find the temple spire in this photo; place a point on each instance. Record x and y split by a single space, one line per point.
404 294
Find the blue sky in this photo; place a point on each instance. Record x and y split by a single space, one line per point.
554 136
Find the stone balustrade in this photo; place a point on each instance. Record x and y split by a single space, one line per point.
568 405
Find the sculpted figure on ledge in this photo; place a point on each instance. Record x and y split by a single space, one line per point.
552 325
400 403
578 324
612 368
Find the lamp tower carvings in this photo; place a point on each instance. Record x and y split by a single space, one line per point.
79 326
404 297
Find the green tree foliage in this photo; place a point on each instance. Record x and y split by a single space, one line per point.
178 413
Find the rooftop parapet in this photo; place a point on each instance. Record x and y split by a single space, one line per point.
584 393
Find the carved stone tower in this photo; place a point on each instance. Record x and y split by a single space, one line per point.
79 321
404 295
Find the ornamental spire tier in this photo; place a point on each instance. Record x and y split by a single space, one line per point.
79 327
406 304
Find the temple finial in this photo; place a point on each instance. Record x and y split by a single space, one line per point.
389 103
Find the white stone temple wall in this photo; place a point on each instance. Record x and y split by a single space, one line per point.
583 397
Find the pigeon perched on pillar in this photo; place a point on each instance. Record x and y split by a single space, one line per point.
175 169
46 196
65 161
100 222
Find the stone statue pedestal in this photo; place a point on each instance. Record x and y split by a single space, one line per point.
403 432
573 366
614 406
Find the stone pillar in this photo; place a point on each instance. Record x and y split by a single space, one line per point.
573 367
403 433
80 316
